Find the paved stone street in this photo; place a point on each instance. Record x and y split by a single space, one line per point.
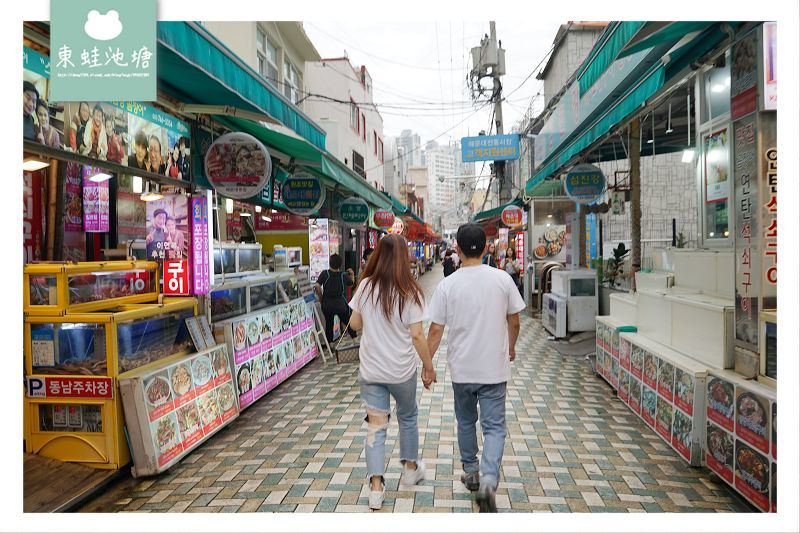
571 448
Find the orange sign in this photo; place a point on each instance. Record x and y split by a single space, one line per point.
512 216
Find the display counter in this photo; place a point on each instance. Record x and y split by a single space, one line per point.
268 346
72 361
53 289
740 444
245 295
174 405
236 260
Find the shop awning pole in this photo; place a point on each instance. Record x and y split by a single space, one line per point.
636 201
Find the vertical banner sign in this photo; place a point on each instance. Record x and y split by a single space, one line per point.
95 202
748 283
176 277
744 79
769 210
97 53
201 244
717 150
770 65
73 199
32 216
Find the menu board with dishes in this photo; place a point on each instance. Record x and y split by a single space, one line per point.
649 369
719 402
752 475
172 408
663 418
622 391
649 400
752 419
269 346
666 380
625 354
719 451
635 395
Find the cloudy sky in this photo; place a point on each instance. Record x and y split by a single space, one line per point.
419 69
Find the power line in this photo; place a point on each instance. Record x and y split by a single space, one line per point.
369 54
569 25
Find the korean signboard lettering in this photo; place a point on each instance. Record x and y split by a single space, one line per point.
490 148
238 165
70 387
585 183
302 193
201 245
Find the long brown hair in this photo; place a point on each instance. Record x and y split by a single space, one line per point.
389 269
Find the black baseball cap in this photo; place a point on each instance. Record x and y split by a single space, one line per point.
471 240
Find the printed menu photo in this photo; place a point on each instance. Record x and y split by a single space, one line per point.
719 402
663 418
649 406
719 451
684 391
637 361
167 438
625 354
635 395
622 379
752 475
682 434
158 394
752 419
666 380
650 369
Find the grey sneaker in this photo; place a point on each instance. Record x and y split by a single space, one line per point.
412 477
471 480
376 498
486 500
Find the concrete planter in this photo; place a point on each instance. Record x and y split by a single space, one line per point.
604 307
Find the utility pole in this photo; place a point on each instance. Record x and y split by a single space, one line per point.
504 188
489 60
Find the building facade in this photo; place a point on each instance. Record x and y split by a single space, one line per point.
412 146
278 51
348 115
395 166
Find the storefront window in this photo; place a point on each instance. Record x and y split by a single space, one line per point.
69 417
718 91
58 348
716 150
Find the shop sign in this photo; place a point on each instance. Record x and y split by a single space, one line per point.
383 218
108 52
176 277
302 193
373 238
585 183
354 212
238 165
280 222
32 215
201 245
70 387
397 227
168 224
73 199
744 80
512 216
95 202
770 62
490 148
769 277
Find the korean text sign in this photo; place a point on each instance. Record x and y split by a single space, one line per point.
99 53
490 148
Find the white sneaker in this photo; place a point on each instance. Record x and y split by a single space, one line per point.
412 477
376 498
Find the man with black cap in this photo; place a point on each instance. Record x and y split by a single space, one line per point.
481 306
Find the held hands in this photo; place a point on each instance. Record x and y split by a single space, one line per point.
428 376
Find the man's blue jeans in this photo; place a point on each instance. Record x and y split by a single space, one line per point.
492 401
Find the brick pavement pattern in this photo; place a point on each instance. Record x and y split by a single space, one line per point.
571 447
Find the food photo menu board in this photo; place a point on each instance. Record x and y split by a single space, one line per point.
172 407
268 347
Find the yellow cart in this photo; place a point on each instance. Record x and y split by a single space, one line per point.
73 359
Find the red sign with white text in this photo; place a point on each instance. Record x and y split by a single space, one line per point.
176 277
70 387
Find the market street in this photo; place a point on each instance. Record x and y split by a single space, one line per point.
572 447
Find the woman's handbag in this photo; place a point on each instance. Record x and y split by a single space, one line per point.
347 353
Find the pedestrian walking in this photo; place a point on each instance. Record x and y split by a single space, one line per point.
512 267
449 265
331 290
390 307
489 258
481 306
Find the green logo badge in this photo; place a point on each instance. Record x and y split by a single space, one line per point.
103 50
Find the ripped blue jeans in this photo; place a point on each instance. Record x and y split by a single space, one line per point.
376 402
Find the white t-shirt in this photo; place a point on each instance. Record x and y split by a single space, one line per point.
473 303
387 353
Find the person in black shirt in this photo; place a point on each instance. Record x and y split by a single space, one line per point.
448 264
333 283
30 97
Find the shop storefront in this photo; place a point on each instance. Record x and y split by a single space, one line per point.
691 349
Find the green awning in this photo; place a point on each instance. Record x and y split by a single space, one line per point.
496 211
614 38
654 33
625 106
398 207
197 68
334 169
548 188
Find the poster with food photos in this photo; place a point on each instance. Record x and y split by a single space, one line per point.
682 433
649 406
720 402
650 369
752 475
666 380
635 395
719 451
752 419
684 391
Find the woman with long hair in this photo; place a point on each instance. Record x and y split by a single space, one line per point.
390 307
489 258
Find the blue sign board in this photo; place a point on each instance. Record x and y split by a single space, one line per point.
585 183
302 193
490 148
